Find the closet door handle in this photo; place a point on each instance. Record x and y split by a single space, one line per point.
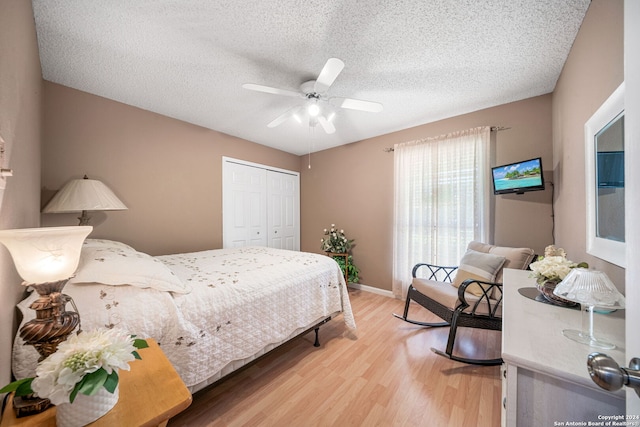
606 372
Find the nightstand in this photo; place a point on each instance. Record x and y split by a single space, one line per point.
150 393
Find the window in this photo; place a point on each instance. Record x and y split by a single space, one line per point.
441 200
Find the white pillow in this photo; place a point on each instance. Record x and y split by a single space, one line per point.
104 243
118 265
478 266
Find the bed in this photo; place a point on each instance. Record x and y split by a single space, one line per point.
212 312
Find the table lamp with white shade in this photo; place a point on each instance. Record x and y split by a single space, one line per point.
83 195
46 258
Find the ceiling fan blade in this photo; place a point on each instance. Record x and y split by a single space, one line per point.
326 125
284 117
328 75
357 104
273 90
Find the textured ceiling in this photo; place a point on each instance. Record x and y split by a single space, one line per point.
424 60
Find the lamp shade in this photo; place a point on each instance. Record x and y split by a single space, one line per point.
84 195
46 254
590 287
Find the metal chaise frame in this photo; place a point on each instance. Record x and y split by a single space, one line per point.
457 317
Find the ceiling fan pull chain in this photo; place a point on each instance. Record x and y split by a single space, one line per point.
310 140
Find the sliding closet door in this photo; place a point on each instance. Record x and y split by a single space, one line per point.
244 205
283 210
260 206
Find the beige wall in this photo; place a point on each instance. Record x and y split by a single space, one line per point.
352 186
20 116
594 69
166 171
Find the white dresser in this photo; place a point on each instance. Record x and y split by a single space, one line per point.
545 379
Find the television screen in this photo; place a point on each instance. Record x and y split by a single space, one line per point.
518 177
610 169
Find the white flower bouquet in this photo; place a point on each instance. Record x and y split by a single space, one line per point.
551 269
337 242
84 363
553 266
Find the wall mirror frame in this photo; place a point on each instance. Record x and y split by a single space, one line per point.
604 178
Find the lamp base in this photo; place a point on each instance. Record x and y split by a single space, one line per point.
53 323
29 405
51 326
585 338
84 218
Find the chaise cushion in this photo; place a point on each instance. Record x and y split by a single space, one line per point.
447 295
478 266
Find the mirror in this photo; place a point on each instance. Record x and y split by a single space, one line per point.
604 148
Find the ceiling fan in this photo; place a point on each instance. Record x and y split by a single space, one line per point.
318 107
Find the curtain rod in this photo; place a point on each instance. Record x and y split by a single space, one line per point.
493 129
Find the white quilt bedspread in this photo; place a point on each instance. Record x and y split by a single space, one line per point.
242 299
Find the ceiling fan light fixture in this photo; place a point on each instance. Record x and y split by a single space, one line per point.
313 109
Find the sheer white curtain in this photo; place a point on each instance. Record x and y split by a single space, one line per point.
441 200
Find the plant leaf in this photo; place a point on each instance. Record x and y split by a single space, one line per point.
112 382
139 343
94 381
136 355
74 392
21 387
89 384
24 389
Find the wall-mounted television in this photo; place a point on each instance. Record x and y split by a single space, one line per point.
518 177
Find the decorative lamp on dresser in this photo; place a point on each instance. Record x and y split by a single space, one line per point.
545 381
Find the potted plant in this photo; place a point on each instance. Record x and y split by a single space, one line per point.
337 242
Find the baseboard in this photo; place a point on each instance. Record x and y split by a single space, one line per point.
371 289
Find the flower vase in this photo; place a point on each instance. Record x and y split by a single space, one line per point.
546 289
86 409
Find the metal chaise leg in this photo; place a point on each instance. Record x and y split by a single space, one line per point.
448 353
415 322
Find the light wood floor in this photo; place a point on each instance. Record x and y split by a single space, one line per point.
388 376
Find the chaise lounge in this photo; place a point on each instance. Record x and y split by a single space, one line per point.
468 295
